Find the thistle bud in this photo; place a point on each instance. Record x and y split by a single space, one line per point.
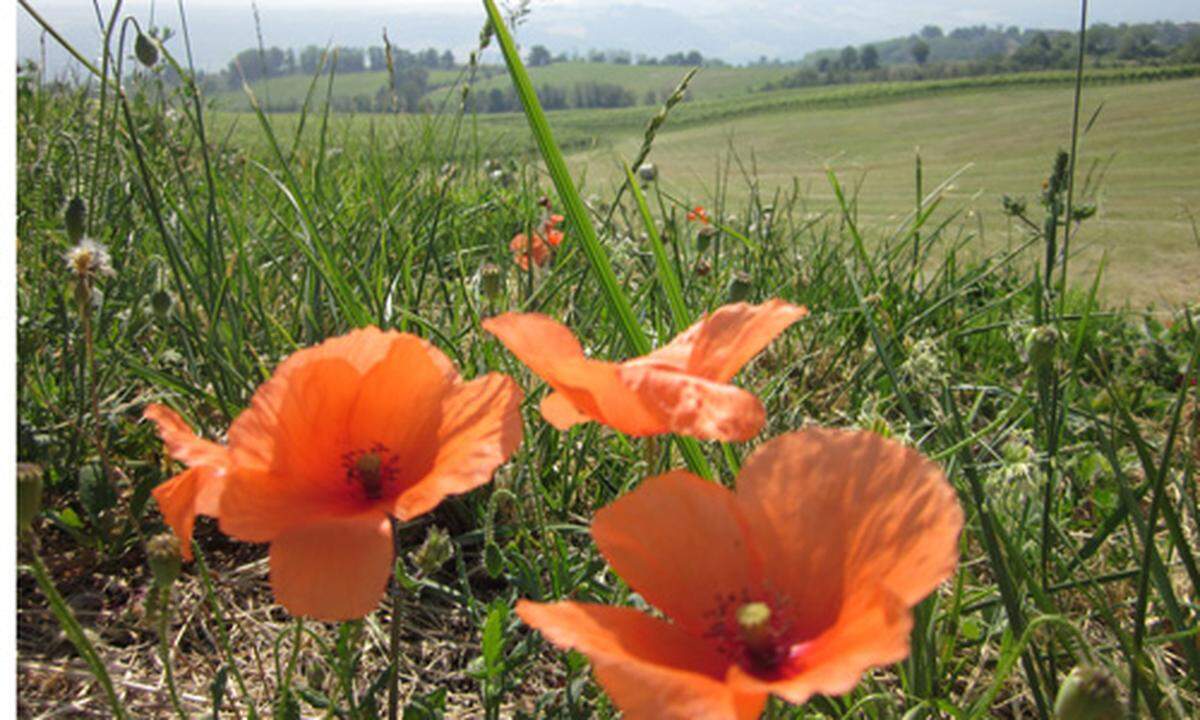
75 218
161 302
435 552
29 495
491 280
704 237
146 50
1040 345
740 286
165 557
1088 693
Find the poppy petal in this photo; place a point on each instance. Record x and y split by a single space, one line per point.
559 412
195 491
650 668
680 542
480 429
691 405
868 516
732 335
182 444
399 407
301 425
593 387
334 569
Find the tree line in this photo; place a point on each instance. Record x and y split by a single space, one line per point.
980 50
255 64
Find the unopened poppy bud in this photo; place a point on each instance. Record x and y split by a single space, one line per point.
544 202
704 237
648 172
161 301
1040 345
165 557
146 50
29 495
490 280
1088 693
740 286
435 552
75 218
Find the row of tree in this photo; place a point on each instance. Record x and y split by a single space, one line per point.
254 64
540 55
980 50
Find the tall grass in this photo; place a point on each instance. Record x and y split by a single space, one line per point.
1073 450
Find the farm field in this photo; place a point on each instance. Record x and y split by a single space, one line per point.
1142 146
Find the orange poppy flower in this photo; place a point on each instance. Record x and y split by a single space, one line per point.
554 236
345 434
679 388
793 584
524 251
698 213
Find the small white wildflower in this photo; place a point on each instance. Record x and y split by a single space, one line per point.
89 259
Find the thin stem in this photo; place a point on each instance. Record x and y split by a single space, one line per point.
394 649
74 631
164 646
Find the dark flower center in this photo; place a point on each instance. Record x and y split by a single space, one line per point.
371 469
755 634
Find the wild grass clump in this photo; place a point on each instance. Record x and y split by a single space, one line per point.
1069 431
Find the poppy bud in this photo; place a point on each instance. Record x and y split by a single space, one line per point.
160 301
75 218
164 555
1088 693
435 552
544 202
740 286
704 237
648 172
146 50
29 495
701 268
1040 345
490 280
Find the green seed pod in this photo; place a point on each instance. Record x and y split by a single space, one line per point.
1088 693
705 237
435 552
1040 345
740 286
146 50
161 302
75 218
165 557
29 495
491 280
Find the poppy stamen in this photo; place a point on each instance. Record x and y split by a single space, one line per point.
370 470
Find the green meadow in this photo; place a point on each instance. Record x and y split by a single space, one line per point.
1040 353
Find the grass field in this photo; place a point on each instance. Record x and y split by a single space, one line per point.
1142 144
713 83
171 256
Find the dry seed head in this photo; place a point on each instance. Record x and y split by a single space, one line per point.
89 259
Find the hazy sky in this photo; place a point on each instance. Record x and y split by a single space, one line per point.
735 31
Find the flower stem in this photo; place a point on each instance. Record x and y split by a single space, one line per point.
164 646
74 631
396 593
